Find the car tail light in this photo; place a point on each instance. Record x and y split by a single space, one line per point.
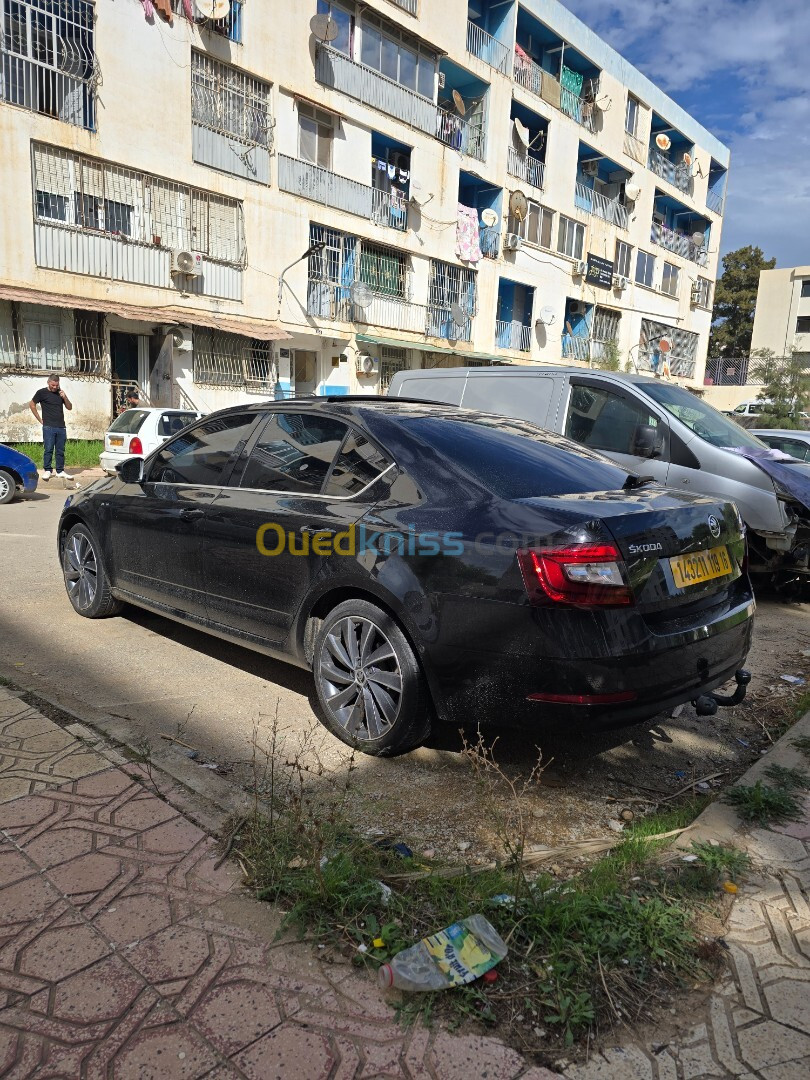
135 445
585 699
583 575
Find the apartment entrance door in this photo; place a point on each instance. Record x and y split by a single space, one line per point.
125 365
305 369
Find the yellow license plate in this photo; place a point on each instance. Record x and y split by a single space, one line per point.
116 441
700 566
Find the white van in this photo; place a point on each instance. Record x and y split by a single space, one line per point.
650 427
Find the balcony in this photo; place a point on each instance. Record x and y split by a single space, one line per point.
368 86
464 134
679 244
339 193
593 202
407 5
526 168
715 202
326 300
634 148
676 173
487 48
513 335
576 348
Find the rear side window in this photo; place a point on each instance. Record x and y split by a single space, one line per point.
515 459
129 421
294 453
360 463
171 423
201 455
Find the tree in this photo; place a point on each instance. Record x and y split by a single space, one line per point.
785 387
735 299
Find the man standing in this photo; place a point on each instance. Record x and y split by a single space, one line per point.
53 402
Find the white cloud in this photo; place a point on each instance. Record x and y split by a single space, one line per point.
761 48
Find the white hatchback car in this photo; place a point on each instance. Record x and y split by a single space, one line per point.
137 432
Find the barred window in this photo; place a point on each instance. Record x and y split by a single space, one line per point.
229 27
225 359
36 338
392 360
681 357
230 102
605 324
77 192
384 269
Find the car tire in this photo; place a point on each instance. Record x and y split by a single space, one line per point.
8 487
371 690
86 581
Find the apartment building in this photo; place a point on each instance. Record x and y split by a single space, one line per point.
782 318
250 200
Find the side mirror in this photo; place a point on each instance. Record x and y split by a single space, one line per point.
131 470
645 441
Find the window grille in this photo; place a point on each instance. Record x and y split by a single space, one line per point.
226 359
230 102
681 357
80 193
229 27
605 325
450 285
47 58
35 338
392 360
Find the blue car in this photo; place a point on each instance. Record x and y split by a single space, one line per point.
18 474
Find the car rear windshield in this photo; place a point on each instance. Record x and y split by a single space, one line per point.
129 421
514 459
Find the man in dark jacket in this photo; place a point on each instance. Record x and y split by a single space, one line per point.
53 401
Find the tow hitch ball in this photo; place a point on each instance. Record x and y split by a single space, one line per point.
707 704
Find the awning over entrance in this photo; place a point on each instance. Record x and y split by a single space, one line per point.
422 346
170 314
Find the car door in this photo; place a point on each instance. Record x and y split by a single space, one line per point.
612 420
293 498
157 526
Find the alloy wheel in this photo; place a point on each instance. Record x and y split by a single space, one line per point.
360 678
5 485
81 571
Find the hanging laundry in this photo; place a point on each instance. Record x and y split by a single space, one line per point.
189 11
164 7
468 239
571 80
392 172
404 176
148 9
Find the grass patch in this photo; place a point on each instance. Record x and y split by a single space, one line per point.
790 779
764 805
583 953
802 744
79 453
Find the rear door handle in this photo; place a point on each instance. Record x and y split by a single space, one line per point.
191 515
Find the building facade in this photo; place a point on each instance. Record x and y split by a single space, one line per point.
269 203
782 317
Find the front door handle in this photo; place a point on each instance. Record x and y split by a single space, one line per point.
191 515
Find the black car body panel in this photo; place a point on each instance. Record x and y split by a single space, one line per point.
190 551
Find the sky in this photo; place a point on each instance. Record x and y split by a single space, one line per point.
742 69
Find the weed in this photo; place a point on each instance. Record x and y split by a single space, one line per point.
763 805
721 860
789 779
4 681
802 744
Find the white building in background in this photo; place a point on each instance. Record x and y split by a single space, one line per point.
222 208
782 318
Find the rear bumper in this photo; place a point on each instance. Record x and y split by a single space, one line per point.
492 688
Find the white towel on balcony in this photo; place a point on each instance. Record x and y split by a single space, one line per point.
468 242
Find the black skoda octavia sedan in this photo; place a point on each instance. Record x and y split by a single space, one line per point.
427 563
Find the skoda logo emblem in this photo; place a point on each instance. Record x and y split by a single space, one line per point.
714 526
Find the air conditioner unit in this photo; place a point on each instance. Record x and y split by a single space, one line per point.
590 168
513 242
368 365
182 339
576 307
580 268
188 263
441 80
620 282
697 294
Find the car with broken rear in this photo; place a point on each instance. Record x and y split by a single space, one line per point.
429 564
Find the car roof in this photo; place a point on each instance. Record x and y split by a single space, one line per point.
792 433
157 409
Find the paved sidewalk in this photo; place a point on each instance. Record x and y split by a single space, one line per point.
757 1022
126 953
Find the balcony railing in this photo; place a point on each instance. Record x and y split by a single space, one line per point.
676 174
513 335
441 324
681 245
577 108
731 371
490 240
406 5
530 75
326 300
365 84
576 348
340 193
715 202
594 202
634 147
466 135
682 366
487 48
526 168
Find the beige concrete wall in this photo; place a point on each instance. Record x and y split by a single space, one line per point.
779 304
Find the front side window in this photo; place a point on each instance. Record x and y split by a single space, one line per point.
315 135
201 455
294 453
606 421
171 423
570 238
670 279
645 269
623 253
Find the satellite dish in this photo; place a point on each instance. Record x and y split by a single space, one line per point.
662 141
324 27
360 294
458 101
687 159
489 217
603 103
458 314
632 191
698 239
664 345
416 186
522 132
518 205
547 315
